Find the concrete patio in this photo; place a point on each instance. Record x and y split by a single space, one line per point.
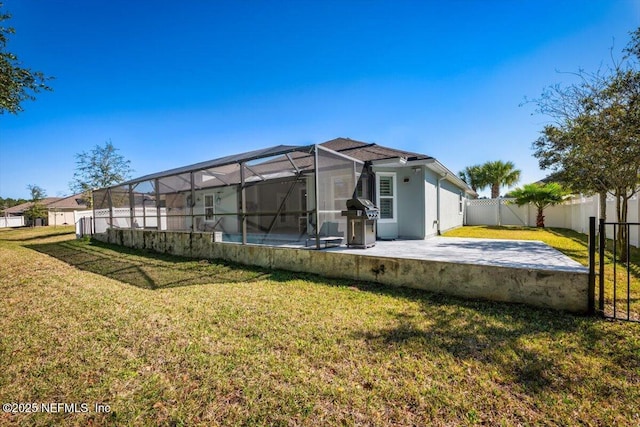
527 254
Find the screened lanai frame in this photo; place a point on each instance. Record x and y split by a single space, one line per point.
278 195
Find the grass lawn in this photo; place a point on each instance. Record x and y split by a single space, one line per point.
170 341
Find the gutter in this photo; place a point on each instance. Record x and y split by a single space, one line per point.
438 202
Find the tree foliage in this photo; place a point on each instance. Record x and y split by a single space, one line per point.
494 174
474 177
498 174
541 196
9 202
37 209
17 84
101 167
37 193
593 143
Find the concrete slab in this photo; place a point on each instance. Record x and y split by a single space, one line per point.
528 254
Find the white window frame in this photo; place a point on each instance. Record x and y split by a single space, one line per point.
213 206
393 175
461 203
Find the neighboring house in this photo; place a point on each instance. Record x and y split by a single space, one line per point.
286 193
19 210
60 210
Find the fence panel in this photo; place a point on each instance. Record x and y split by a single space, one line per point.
618 282
573 214
11 221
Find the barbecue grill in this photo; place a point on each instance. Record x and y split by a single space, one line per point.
362 216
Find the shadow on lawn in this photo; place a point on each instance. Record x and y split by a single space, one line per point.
146 269
40 236
516 340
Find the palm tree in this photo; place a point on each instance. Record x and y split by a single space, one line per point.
541 196
498 174
474 177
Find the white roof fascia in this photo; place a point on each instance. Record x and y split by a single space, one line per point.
432 164
392 162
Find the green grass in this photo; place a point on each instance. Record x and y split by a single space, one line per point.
575 245
170 341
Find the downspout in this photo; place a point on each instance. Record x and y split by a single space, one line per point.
438 203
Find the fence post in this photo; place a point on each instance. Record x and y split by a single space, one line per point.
592 265
602 235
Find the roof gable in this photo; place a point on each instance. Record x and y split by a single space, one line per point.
369 151
75 201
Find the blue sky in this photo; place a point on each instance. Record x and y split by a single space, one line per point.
174 83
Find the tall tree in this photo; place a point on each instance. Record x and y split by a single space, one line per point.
498 174
37 209
101 167
17 84
37 193
541 196
474 177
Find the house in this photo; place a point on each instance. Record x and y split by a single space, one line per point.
19 210
60 210
290 193
418 197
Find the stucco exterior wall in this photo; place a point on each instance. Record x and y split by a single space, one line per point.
228 203
560 290
431 206
411 203
450 215
60 217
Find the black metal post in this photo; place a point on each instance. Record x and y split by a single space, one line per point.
592 265
601 249
243 203
628 226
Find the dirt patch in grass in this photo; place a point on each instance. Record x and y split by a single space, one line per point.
254 347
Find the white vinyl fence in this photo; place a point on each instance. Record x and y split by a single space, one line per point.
573 214
86 224
11 221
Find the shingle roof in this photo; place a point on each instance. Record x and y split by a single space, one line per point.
369 151
18 209
75 201
69 202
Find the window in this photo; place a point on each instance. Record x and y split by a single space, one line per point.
209 208
460 203
387 196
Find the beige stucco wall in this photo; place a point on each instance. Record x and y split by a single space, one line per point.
560 290
61 217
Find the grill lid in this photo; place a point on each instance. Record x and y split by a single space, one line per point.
360 204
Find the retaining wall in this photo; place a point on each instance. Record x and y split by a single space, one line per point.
561 290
